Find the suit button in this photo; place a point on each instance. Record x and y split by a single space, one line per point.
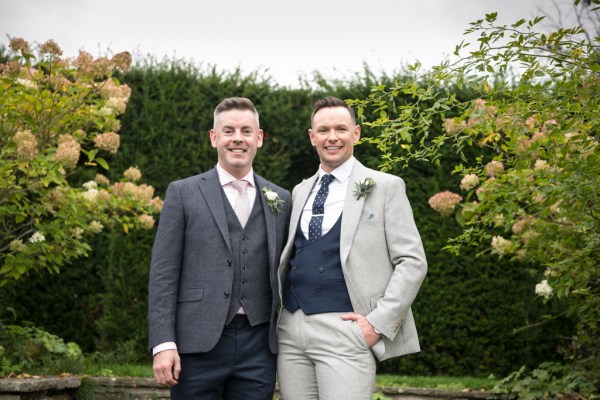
244 282
226 294
244 237
244 251
317 289
244 266
321 270
298 251
229 263
243 298
295 267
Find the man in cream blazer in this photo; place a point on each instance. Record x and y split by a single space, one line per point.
350 270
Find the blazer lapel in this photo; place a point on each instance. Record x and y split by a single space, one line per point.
352 211
213 194
270 220
299 200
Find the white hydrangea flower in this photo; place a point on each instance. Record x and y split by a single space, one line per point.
37 237
543 289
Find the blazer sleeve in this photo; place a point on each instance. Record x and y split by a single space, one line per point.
167 254
407 257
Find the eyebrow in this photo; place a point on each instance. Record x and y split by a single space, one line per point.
243 127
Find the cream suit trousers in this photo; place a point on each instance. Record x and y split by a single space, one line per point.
323 357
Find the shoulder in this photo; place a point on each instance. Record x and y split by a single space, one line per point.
382 178
194 180
262 183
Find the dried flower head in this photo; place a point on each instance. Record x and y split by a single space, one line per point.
500 244
26 145
122 61
17 246
109 141
133 174
20 44
522 225
77 233
469 181
156 204
67 152
50 47
452 128
444 202
117 103
95 227
541 164
101 180
146 221
494 168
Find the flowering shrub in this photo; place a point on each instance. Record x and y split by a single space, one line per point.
58 119
532 186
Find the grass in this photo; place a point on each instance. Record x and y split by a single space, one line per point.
431 382
126 370
436 382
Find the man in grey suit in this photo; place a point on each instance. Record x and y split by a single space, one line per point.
350 270
213 284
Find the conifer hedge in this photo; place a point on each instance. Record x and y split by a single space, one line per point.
469 311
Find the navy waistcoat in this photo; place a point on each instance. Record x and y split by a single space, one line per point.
314 280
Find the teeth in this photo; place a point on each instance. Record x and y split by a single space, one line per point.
237 150
333 147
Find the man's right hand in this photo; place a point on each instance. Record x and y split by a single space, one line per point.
166 367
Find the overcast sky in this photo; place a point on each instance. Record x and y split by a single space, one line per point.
286 39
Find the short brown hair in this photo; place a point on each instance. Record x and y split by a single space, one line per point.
235 103
331 101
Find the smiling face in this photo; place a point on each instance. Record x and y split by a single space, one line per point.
236 136
333 134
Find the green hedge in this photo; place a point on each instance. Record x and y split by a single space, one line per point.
466 311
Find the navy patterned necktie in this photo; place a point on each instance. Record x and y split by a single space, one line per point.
318 208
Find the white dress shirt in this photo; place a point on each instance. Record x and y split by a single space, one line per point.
334 204
225 178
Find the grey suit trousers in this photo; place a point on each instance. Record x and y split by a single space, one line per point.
323 357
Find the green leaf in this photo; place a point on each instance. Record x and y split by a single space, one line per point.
102 163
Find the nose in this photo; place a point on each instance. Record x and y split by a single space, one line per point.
237 136
332 135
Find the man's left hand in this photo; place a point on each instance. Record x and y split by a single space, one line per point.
365 326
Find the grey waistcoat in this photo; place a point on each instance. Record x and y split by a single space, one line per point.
251 283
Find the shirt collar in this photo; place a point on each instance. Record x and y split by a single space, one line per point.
226 178
342 172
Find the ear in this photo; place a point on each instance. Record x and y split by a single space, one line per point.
356 133
259 142
311 135
213 138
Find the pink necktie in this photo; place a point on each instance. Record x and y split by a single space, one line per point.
242 203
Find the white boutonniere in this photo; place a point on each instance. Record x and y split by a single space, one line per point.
363 188
273 200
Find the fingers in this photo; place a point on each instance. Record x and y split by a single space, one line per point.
166 367
352 317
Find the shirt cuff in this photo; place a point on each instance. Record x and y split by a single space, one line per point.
163 347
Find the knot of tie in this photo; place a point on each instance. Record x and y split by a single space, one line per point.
241 186
326 180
